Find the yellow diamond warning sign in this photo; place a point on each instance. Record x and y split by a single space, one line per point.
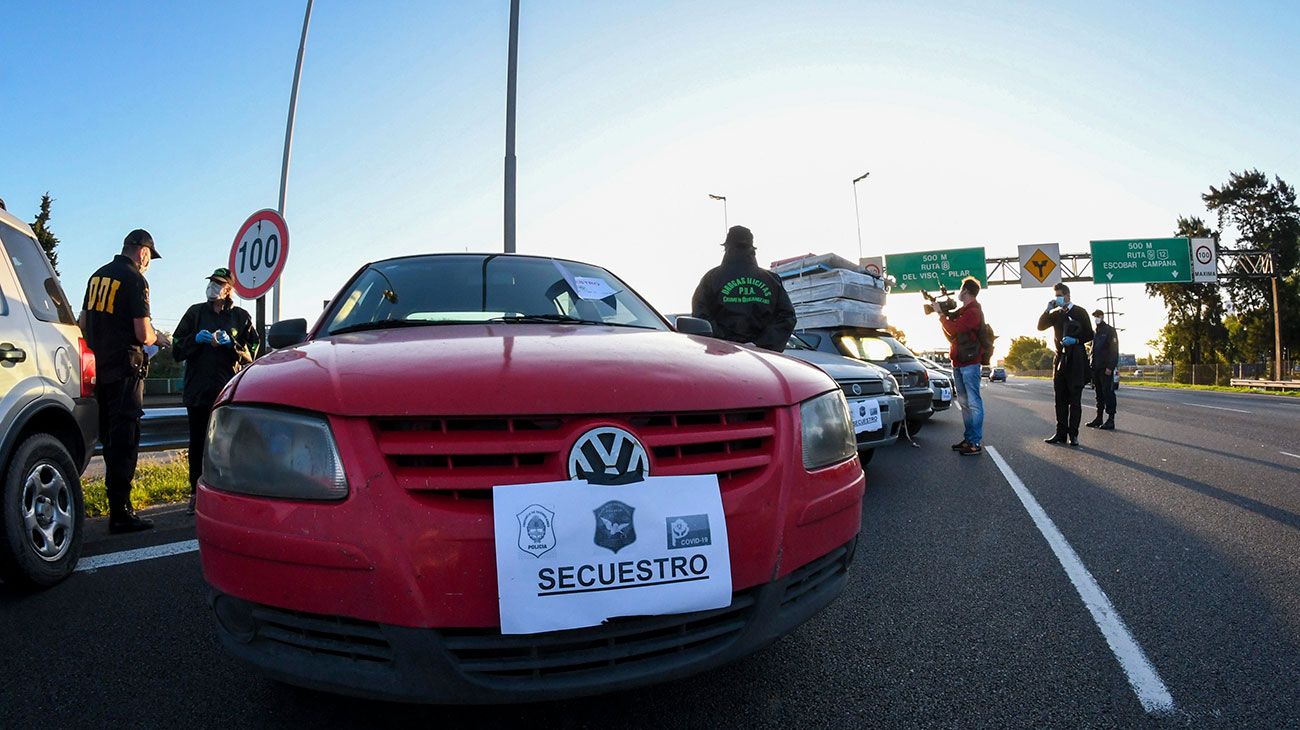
1040 265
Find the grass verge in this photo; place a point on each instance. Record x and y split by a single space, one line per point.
1185 386
156 482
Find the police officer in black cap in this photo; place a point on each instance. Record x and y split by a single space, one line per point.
743 302
1105 358
215 339
116 323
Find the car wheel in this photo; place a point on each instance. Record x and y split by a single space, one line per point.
865 456
41 516
914 427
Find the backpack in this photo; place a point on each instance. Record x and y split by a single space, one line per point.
986 338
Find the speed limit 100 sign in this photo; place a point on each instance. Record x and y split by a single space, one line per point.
257 257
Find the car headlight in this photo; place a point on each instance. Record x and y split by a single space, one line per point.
827 431
892 384
272 453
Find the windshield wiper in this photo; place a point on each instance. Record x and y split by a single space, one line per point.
384 324
560 319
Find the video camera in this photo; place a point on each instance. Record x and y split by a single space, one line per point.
942 303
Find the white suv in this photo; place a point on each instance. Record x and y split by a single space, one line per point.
48 415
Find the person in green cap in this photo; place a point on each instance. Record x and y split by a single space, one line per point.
215 339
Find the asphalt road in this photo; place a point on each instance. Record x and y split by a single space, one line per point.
958 611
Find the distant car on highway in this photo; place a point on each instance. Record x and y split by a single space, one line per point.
999 374
345 515
48 415
869 388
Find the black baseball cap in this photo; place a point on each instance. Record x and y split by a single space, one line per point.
1098 313
140 237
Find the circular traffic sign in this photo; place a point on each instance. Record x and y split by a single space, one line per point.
1204 254
874 269
257 257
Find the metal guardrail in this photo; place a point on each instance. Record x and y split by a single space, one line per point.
161 429
1267 384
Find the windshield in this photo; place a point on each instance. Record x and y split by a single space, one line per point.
874 348
459 289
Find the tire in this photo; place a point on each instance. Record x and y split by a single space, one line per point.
42 516
914 427
865 456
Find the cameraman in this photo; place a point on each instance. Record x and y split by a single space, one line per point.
962 329
1070 370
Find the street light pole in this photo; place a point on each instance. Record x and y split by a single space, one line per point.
726 226
857 213
284 172
512 72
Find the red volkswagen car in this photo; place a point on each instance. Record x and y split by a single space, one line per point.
345 514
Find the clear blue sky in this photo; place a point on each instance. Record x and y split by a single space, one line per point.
982 123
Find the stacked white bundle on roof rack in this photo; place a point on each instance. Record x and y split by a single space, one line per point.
836 284
830 291
839 313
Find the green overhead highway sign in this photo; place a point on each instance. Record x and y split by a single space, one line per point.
913 272
1142 261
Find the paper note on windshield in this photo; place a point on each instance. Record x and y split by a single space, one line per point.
586 287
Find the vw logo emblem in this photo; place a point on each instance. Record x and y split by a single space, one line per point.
857 389
608 455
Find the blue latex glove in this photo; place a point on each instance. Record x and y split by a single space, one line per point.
150 350
1051 305
204 337
1068 341
222 337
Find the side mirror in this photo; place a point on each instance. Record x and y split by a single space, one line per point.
694 326
287 333
811 340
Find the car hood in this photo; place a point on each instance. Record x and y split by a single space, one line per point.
524 369
838 366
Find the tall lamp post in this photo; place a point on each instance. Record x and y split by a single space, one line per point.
284 175
857 213
512 72
725 225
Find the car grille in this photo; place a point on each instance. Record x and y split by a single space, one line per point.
335 636
490 657
865 387
465 457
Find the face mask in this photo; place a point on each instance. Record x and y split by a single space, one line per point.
1098 320
1060 301
214 291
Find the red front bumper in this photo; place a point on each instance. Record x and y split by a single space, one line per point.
424 558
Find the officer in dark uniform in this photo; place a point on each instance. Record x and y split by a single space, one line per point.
215 339
743 302
115 321
1105 358
1070 369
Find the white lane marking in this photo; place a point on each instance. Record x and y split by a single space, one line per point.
1288 453
1142 677
1217 408
95 562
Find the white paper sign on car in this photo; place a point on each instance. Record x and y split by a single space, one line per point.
866 415
945 394
586 287
571 554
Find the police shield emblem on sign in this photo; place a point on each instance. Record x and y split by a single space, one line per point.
536 530
614 527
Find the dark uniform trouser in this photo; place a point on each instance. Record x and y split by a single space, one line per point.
121 404
1069 407
199 415
1105 387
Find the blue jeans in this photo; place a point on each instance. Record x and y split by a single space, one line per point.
967 380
